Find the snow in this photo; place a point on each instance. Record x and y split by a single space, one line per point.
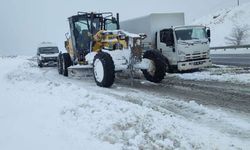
218 73
41 110
223 21
47 44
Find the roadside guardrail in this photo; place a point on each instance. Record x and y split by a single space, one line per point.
230 47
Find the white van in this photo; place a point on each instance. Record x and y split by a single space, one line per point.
47 54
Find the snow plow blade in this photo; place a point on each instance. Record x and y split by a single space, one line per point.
80 71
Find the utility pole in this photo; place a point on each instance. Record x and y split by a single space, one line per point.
238 2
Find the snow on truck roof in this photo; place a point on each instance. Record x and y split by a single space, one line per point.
154 14
188 26
47 44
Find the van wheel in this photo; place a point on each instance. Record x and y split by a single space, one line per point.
104 69
40 64
157 71
66 62
59 64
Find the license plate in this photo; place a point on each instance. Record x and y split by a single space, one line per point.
198 62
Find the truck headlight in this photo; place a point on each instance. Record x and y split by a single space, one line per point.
181 53
182 57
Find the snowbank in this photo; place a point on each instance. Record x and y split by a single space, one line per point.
218 73
41 110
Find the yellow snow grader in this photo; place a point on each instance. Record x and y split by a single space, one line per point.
97 43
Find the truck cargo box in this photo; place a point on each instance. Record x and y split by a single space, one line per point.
151 23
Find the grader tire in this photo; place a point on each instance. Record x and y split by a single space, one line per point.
159 66
104 69
59 64
66 62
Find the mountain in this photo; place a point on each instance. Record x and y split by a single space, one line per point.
223 21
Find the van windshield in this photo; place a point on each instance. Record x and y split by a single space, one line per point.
190 33
48 50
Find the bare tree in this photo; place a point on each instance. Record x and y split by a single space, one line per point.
238 35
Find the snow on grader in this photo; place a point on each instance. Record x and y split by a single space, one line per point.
97 43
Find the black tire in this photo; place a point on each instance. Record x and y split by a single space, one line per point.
59 64
173 69
169 69
104 62
159 64
66 62
40 64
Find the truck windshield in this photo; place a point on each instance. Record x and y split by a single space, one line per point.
190 33
48 50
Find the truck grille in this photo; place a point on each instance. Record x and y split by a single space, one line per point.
196 56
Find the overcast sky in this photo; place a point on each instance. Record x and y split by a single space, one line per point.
26 23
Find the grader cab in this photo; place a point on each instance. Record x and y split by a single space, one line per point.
87 34
97 43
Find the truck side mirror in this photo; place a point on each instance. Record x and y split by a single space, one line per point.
209 35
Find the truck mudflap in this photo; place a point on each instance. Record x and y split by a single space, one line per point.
189 65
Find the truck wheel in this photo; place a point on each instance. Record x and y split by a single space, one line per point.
103 69
59 64
66 62
157 72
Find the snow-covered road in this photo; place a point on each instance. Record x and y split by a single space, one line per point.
41 110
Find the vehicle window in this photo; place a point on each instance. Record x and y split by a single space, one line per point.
184 34
110 25
190 33
199 33
96 26
48 50
81 26
81 33
163 36
166 36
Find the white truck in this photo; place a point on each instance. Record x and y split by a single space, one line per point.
184 47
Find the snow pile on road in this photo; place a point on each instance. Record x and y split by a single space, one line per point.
41 110
223 21
218 73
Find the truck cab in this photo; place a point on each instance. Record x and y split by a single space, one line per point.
185 47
